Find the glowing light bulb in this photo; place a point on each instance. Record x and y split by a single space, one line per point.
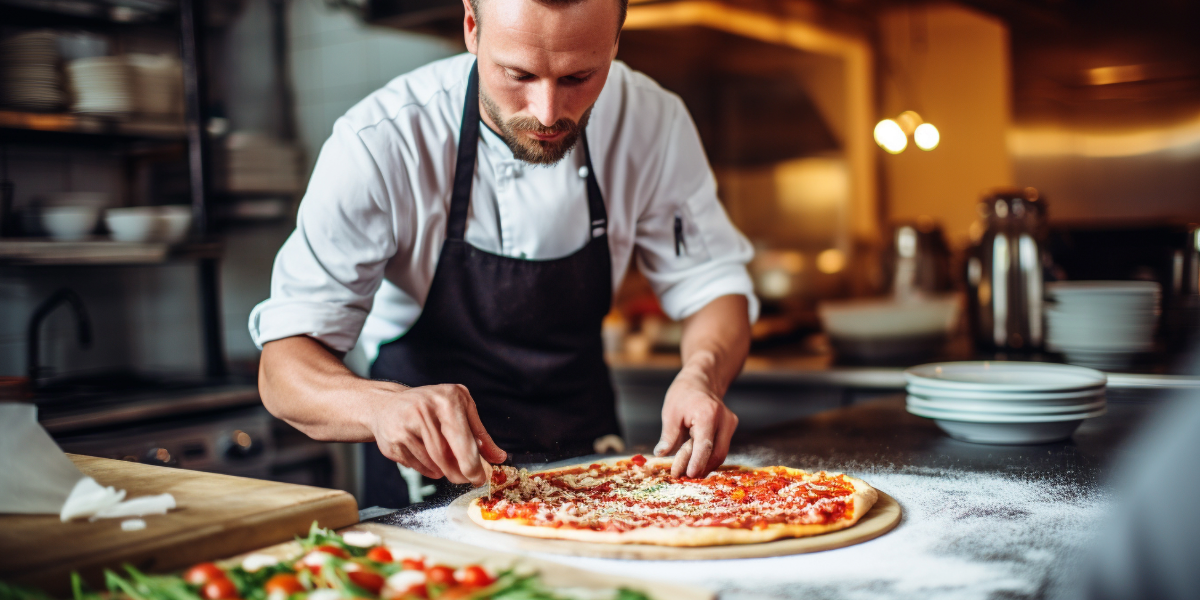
926 136
890 136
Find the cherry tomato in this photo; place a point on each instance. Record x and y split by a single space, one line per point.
220 589
379 554
419 590
203 573
334 550
367 580
413 564
476 576
284 583
638 460
440 574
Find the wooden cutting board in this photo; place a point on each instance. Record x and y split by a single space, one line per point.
216 516
459 554
882 518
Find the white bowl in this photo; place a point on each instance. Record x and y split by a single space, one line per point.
149 223
68 223
1009 434
1004 376
175 222
1008 408
887 318
1006 429
136 224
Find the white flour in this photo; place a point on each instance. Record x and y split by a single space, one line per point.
963 536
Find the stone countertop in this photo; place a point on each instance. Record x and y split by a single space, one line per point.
979 521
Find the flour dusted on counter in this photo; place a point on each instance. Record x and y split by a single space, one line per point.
963 536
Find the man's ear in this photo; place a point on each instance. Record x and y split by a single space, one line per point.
470 28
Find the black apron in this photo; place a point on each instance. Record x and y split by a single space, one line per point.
522 335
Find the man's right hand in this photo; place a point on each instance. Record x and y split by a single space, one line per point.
434 429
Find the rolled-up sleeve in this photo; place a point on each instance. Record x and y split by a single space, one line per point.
686 245
327 272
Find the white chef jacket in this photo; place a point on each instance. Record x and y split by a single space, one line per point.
370 228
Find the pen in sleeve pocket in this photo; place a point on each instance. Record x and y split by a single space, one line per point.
680 244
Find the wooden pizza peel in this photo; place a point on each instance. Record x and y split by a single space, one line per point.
882 518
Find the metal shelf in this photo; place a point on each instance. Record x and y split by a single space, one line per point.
41 252
33 125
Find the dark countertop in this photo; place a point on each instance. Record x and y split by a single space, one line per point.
979 521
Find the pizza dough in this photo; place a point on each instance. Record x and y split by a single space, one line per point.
620 501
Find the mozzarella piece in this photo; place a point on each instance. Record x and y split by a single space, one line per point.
361 539
402 581
255 562
324 594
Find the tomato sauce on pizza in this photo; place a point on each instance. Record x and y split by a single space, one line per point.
630 494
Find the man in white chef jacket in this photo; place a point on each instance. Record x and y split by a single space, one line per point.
468 223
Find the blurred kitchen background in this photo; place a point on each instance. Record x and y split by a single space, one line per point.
918 178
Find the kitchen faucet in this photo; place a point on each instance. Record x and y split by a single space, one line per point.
83 328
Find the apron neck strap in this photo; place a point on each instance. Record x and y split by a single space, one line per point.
464 170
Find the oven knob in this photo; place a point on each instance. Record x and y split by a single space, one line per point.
242 445
161 457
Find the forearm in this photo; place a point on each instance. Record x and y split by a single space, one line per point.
715 343
304 383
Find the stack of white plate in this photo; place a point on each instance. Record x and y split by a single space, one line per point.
102 85
1101 324
1006 402
29 77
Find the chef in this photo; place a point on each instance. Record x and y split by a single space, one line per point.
467 225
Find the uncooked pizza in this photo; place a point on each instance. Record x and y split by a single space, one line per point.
637 501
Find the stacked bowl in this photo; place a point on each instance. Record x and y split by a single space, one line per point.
996 402
1101 324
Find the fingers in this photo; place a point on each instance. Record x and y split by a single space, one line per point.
461 439
703 432
728 425
439 449
487 447
679 466
671 438
410 461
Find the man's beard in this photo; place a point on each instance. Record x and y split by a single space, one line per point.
530 149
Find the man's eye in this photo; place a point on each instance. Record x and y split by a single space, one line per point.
520 76
576 79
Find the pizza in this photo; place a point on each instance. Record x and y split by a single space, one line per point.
637 501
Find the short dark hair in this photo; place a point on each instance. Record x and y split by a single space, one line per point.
624 5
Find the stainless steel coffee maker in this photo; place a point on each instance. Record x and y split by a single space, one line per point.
1004 271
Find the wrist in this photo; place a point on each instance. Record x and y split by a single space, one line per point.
700 369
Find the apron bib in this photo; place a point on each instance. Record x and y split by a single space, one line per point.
522 335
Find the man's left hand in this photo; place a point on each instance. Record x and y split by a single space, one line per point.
697 424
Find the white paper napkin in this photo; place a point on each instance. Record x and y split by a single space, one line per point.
36 477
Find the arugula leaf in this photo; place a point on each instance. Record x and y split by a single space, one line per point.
18 592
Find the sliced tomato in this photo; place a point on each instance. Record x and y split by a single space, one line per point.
440 574
284 583
367 580
638 460
379 554
220 589
419 590
476 576
413 564
334 550
203 573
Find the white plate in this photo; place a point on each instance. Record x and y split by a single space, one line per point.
1010 434
1103 287
1007 408
940 394
1003 376
949 415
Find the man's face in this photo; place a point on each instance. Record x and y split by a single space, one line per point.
541 68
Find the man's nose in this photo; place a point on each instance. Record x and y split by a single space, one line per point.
544 104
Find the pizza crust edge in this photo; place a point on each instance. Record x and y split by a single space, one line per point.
864 498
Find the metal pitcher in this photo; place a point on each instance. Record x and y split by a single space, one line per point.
1004 271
